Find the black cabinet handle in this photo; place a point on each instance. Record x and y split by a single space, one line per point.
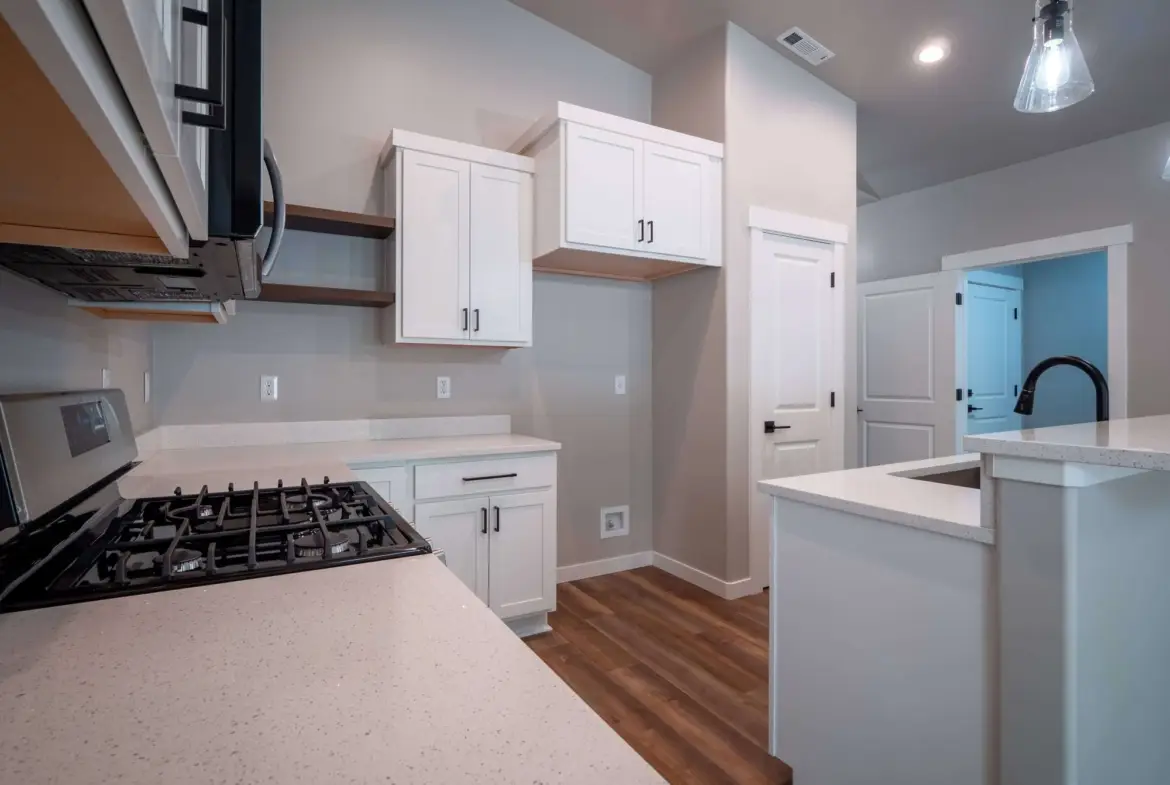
464 320
477 320
497 509
483 514
641 230
213 94
490 477
971 408
770 426
651 225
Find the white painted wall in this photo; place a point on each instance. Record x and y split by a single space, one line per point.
1109 183
338 77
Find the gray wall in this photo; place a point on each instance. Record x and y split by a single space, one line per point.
46 345
791 145
1108 183
338 77
690 344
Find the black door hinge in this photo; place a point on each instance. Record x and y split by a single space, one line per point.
1016 387
958 394
958 298
832 400
832 280
1015 313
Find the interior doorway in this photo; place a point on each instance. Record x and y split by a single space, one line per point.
1017 316
914 394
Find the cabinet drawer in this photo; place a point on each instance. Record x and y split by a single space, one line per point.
438 480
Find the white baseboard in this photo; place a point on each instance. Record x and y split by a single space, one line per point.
591 569
729 590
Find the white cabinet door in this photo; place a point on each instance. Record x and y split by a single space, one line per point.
459 528
522 553
434 283
501 254
389 482
603 189
152 50
677 201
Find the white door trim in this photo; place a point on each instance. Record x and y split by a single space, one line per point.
762 221
1115 241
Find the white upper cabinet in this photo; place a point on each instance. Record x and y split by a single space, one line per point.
603 188
462 251
621 199
155 50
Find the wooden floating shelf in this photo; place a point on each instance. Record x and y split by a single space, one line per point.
318 219
324 295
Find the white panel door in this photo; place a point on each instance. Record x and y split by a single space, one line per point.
152 50
521 576
906 351
994 340
461 529
501 255
435 267
676 201
796 361
603 189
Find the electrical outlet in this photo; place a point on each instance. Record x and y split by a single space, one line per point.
615 521
268 388
444 387
105 378
619 385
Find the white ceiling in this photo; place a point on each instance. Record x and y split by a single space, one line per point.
918 127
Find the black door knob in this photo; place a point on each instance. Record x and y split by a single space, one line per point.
770 426
971 408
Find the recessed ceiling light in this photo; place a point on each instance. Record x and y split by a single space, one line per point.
933 51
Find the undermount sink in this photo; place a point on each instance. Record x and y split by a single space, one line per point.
963 478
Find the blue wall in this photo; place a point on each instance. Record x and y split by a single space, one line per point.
1065 311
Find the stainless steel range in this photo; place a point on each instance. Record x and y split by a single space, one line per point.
66 535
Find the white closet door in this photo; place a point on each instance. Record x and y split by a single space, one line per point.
435 265
603 189
501 255
907 376
677 201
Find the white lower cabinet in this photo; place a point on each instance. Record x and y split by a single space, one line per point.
389 482
501 547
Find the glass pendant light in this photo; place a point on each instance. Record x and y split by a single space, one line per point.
1056 74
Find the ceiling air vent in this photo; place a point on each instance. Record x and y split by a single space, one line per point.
805 46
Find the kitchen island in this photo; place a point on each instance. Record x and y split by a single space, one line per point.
1008 629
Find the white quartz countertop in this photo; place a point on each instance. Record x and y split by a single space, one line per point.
1138 443
387 672
162 471
889 493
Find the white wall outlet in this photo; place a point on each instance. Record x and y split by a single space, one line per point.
105 378
146 386
619 385
615 521
444 387
268 388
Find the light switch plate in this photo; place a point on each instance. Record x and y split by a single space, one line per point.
443 388
268 388
619 385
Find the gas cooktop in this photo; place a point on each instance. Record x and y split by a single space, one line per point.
146 545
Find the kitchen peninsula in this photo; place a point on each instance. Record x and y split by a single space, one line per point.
990 617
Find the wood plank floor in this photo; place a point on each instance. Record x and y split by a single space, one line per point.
681 674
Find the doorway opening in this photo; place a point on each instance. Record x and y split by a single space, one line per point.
1017 315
